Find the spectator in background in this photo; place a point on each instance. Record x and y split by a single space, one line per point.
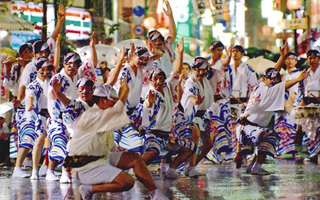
4 141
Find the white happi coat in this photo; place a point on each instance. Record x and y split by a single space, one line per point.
93 128
29 73
244 80
165 62
160 115
223 78
38 90
134 83
87 70
263 101
41 98
293 91
68 88
312 83
193 87
12 83
72 113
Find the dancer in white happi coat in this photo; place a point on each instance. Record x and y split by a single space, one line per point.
157 118
244 81
219 111
36 110
268 96
41 49
13 74
89 157
285 125
197 97
57 130
26 123
11 82
309 93
88 67
160 49
128 137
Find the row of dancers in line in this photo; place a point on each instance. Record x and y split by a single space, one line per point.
189 114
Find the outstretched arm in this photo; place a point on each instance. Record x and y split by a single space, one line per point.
60 21
57 54
172 24
227 60
56 90
304 74
20 97
29 103
124 91
283 54
112 79
179 87
179 48
94 56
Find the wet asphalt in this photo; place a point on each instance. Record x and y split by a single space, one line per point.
288 180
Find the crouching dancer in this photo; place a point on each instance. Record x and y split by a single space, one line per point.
268 96
88 149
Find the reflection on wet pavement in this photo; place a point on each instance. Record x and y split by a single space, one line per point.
288 180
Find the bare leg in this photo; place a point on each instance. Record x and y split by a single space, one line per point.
133 160
36 153
206 146
183 154
257 169
123 182
254 160
148 156
52 164
195 138
22 154
261 158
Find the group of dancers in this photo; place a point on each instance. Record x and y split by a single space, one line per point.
96 123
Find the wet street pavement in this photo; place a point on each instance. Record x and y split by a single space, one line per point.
288 180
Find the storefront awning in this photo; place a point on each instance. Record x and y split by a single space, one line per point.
10 22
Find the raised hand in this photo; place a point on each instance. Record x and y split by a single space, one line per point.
284 50
229 50
7 60
31 108
93 40
132 49
168 12
16 102
199 99
151 97
182 77
121 54
304 74
56 86
180 46
61 12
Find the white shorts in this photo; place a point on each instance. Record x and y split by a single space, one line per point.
104 173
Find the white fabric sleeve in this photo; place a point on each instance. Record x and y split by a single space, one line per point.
275 97
25 76
105 120
172 82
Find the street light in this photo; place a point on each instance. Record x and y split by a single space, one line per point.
294 5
